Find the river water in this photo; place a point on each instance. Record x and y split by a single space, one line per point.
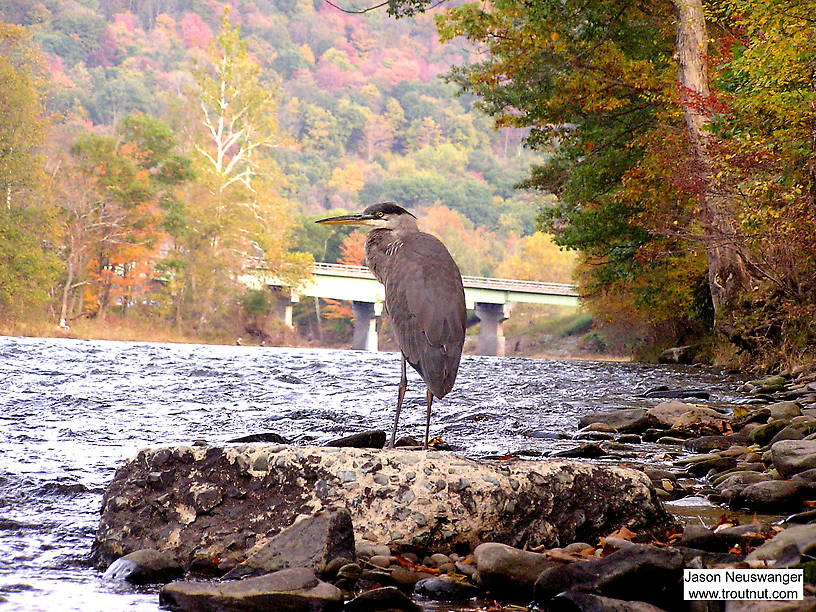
71 411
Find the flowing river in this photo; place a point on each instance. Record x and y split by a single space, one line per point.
71 411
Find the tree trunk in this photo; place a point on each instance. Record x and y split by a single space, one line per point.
66 291
726 266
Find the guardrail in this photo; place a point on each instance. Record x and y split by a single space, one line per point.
474 282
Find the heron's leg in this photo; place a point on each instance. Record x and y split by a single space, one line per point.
403 385
428 418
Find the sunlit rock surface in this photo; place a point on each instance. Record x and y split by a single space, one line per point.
214 506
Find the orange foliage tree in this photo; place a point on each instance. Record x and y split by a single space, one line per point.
352 251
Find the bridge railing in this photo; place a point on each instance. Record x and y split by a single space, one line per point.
474 282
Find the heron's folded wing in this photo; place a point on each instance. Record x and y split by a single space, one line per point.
426 304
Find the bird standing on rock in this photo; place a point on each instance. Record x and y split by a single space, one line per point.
424 297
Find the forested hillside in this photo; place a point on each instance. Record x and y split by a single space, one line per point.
155 146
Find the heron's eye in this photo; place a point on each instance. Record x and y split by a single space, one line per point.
380 214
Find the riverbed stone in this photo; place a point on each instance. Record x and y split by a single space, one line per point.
700 415
289 590
577 601
146 566
734 483
312 541
769 384
365 439
789 432
507 570
706 444
384 598
514 502
702 538
630 420
668 414
784 411
764 433
793 456
787 546
445 588
654 574
774 494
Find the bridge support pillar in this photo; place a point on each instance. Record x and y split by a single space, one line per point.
491 334
365 325
283 305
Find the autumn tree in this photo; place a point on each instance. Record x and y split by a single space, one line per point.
538 258
27 262
116 215
238 211
352 253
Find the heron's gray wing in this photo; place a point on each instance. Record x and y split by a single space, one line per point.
426 304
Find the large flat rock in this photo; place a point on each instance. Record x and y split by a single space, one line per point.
214 506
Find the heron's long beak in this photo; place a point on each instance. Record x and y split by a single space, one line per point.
357 219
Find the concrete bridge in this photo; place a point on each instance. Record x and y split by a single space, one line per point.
490 298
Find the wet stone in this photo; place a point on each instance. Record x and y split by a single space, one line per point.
290 589
381 561
365 439
145 566
774 494
384 598
445 588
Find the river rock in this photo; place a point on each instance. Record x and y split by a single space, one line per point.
145 566
674 414
290 590
666 393
365 439
787 546
789 432
313 541
808 476
702 538
768 384
793 456
761 415
629 420
576 601
507 570
774 494
227 503
706 444
764 433
585 451
445 588
654 574
734 483
666 413
700 415
266 436
385 598
752 533
784 411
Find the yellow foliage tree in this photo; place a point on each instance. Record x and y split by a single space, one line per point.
538 258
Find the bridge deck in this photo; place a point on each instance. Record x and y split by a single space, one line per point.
341 282
475 282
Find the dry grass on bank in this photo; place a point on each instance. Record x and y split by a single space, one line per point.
113 328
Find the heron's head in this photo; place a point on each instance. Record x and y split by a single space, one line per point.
385 215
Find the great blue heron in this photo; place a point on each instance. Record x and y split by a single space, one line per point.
424 297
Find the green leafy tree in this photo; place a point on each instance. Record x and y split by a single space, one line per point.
27 262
